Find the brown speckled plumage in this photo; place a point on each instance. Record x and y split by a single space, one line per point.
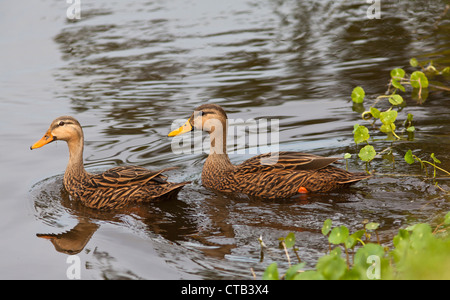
112 189
270 175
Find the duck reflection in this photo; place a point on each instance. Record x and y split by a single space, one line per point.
73 241
171 218
212 223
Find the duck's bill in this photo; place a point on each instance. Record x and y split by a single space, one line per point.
47 138
183 129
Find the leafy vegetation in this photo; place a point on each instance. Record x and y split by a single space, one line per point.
387 111
416 252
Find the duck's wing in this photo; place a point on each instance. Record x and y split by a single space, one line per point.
129 175
285 161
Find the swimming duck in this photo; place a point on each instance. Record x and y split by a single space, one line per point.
271 175
112 189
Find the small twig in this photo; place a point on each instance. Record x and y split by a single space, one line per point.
253 273
348 257
296 254
444 88
438 20
286 251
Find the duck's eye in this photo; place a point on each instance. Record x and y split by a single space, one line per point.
61 123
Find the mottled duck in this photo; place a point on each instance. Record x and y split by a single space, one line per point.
270 175
112 189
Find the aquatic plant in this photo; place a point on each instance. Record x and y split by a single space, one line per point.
416 252
384 114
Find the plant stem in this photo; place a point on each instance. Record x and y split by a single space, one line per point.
434 165
348 257
287 254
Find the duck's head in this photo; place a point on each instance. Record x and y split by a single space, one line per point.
206 117
64 128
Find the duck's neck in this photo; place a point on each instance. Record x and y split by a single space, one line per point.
218 156
75 167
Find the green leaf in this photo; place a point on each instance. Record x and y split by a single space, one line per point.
271 272
447 218
418 79
372 226
367 153
446 71
421 235
290 240
332 266
353 239
410 117
358 234
397 73
409 157
388 117
375 112
435 159
309 275
397 85
326 227
411 129
358 94
387 128
361 134
338 235
347 155
413 62
293 271
396 100
363 253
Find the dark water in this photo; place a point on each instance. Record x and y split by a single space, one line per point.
127 69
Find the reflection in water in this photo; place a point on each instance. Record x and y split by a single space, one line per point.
72 241
53 204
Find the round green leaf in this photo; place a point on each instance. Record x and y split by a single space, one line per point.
413 62
331 266
396 100
360 259
397 73
326 227
387 128
358 94
375 112
290 240
409 157
372 226
361 134
367 153
388 117
347 155
271 273
418 79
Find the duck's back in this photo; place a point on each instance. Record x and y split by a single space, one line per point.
282 175
120 186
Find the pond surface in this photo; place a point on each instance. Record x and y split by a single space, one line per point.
127 69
